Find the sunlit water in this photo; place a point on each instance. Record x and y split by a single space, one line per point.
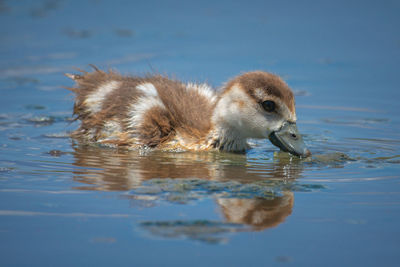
66 204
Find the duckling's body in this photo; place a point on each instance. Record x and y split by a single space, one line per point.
155 111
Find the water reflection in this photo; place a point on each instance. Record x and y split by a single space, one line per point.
120 170
259 213
258 194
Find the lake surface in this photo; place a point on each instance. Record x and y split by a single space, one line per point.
65 204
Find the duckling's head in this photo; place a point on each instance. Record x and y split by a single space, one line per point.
259 105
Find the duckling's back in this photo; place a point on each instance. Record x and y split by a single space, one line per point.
141 111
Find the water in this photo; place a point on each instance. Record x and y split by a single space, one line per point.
66 204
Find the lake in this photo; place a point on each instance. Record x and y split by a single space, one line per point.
68 204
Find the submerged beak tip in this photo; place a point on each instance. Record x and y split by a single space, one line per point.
307 153
289 140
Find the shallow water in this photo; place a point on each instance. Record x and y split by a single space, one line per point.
66 204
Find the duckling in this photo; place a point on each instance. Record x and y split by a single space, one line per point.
158 112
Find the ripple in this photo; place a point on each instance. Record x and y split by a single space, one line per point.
182 191
211 232
71 214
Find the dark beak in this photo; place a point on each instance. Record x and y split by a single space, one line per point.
289 140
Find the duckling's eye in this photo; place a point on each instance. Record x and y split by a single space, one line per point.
268 105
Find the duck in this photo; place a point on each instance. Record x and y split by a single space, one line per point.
156 111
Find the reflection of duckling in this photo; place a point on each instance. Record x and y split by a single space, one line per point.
125 170
259 213
155 111
121 170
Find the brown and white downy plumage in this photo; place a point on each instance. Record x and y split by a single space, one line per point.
155 111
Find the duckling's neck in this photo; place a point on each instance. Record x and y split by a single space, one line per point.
227 131
226 139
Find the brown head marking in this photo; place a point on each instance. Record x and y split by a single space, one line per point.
272 84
